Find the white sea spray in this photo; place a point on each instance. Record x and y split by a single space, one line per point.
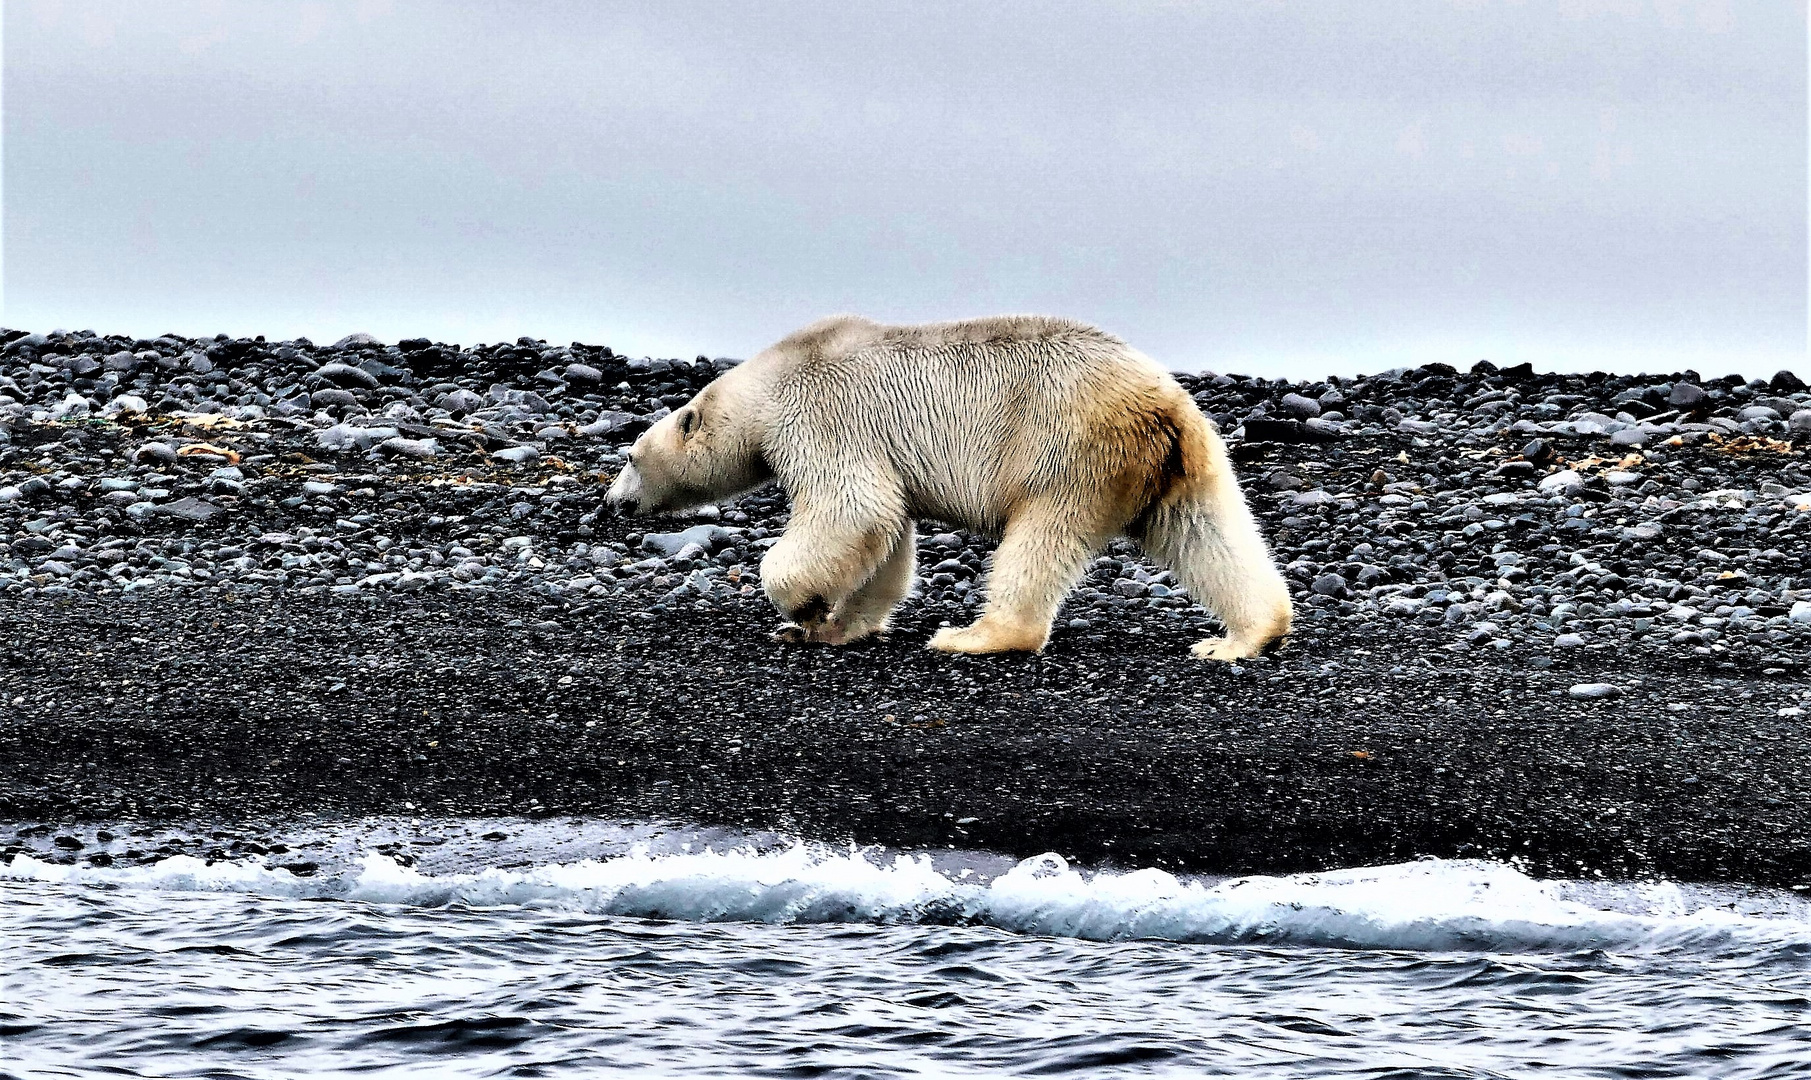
1425 905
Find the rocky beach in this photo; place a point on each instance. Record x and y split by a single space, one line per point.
248 586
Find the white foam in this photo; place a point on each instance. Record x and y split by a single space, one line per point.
1426 905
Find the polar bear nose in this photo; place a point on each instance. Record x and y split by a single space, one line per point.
625 494
619 499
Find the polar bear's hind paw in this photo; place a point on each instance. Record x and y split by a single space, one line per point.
985 638
1227 650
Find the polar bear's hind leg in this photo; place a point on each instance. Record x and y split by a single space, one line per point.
869 609
1209 539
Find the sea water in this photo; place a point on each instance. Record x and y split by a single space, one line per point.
663 951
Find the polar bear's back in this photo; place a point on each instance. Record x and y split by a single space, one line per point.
974 417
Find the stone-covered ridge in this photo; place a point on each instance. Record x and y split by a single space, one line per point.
1491 508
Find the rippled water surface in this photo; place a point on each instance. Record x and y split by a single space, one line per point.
793 960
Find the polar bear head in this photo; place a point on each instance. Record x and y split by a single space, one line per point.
708 449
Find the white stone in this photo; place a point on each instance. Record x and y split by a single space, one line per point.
1565 481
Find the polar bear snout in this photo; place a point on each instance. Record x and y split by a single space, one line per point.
625 495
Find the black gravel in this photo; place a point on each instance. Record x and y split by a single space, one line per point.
1560 619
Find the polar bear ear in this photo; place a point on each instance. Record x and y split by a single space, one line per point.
688 421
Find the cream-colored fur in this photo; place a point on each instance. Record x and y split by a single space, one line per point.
1050 434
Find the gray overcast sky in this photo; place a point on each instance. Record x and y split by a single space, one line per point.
1272 186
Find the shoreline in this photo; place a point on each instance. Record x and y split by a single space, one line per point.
1590 655
1209 770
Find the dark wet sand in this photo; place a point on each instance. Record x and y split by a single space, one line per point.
192 708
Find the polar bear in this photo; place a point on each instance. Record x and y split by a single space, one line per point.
1050 434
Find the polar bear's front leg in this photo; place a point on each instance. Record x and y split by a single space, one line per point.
1035 566
816 575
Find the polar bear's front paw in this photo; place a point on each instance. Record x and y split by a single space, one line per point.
824 632
985 637
827 632
1224 649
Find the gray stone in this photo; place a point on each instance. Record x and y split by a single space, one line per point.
1564 482
611 422
460 400
342 437
346 375
583 373
708 537
192 509
1686 396
1317 497
1594 691
332 397
517 455
527 399
1299 407
1329 585
413 448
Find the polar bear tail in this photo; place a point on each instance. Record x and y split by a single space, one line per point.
1201 528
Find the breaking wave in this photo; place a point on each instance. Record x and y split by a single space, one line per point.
1425 905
